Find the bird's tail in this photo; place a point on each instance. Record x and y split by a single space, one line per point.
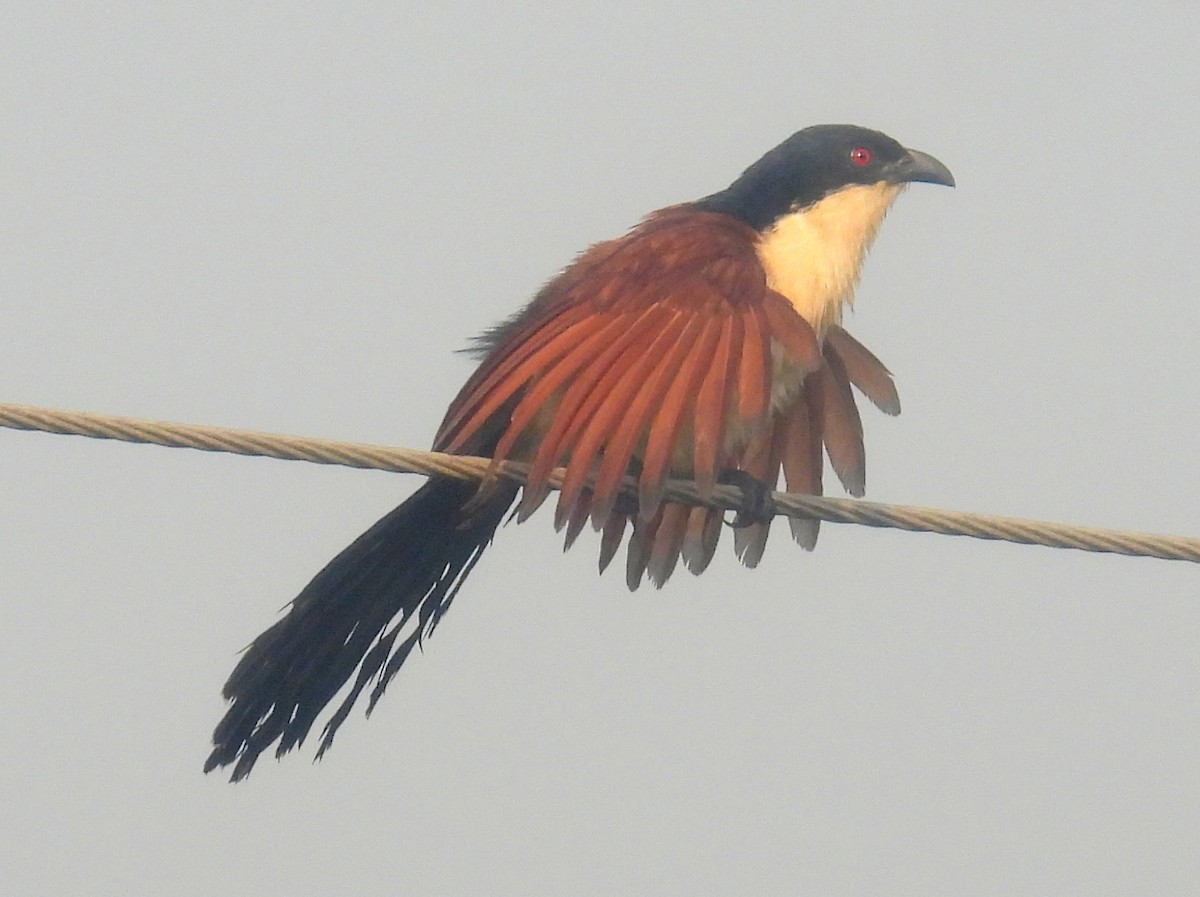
398 577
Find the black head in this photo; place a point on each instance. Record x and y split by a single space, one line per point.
818 161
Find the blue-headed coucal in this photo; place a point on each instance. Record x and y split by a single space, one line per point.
705 344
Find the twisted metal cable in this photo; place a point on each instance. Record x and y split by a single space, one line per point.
376 457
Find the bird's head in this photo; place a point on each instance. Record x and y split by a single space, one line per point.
819 161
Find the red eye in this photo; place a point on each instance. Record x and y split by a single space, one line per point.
860 156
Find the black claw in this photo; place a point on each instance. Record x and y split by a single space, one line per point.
757 504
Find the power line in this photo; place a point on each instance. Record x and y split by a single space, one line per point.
377 457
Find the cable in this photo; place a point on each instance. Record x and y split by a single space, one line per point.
376 457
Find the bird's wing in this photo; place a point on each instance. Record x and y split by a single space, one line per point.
651 349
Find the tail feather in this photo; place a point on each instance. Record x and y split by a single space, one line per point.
404 571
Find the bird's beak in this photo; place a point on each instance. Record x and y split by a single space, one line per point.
919 166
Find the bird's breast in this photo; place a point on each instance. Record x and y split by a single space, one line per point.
812 256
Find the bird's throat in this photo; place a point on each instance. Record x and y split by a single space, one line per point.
812 256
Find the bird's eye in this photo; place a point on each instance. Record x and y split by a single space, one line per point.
860 156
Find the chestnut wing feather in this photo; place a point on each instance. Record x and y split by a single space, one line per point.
840 426
864 370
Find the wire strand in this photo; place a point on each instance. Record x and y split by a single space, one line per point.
378 457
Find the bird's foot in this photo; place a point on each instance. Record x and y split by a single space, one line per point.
757 504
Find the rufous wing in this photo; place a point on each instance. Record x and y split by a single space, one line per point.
643 367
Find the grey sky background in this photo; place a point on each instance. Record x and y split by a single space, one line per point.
289 220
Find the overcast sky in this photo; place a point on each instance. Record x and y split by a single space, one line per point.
290 220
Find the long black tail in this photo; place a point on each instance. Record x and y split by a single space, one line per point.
405 569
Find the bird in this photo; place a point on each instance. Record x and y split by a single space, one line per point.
704 344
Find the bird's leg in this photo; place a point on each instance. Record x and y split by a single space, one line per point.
757 504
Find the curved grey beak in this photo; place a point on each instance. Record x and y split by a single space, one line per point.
919 166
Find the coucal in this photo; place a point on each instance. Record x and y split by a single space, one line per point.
705 344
